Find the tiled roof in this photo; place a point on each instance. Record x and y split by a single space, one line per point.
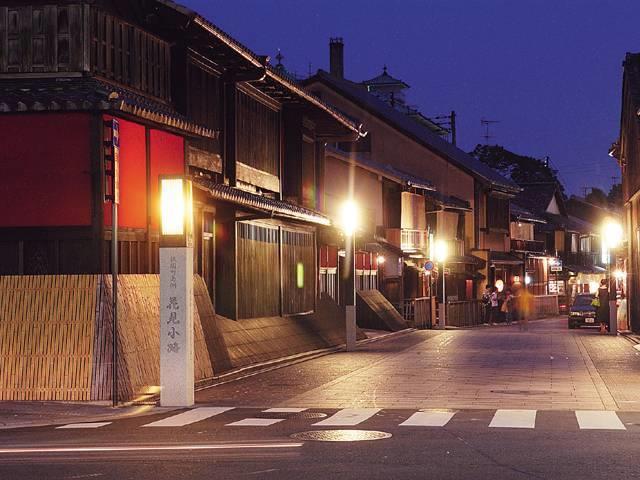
384 79
448 201
413 129
535 197
88 93
254 201
278 75
520 213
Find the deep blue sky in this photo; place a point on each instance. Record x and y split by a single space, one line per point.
549 71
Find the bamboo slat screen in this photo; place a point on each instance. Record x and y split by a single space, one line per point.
46 332
298 271
258 131
56 333
138 339
258 271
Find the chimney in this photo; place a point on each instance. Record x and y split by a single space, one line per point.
336 57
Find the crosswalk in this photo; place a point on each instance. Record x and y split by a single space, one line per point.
361 417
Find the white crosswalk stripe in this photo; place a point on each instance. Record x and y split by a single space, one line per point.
255 422
84 425
429 418
598 420
349 417
514 419
189 417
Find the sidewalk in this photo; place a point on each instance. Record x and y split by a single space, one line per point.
19 414
15 414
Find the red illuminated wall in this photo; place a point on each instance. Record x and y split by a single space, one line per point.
45 173
167 158
132 211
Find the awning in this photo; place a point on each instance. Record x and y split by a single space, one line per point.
504 258
594 269
467 260
278 208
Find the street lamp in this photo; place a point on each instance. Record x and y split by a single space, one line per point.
440 251
176 293
349 220
612 234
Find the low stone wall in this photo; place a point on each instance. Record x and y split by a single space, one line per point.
56 336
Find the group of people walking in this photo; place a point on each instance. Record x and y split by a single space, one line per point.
511 305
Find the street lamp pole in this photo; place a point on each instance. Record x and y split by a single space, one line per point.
349 221
440 251
443 314
611 238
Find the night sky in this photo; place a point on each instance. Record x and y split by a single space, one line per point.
549 71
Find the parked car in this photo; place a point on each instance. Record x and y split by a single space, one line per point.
581 311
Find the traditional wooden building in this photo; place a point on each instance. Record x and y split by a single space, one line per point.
627 152
475 218
190 100
563 257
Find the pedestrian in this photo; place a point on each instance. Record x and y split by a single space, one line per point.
602 312
493 298
525 306
622 313
486 305
501 298
507 307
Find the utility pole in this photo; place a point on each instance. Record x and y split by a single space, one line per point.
448 123
453 127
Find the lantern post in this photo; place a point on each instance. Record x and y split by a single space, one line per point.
176 293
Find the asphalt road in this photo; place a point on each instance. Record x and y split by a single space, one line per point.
571 440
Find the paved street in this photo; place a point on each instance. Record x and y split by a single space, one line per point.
483 403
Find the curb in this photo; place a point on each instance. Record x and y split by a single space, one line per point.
631 337
108 417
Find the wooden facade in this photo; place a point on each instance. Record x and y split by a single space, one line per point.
189 100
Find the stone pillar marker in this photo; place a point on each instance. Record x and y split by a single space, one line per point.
176 294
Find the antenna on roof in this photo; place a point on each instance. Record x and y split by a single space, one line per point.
486 124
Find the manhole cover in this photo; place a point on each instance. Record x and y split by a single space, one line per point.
341 435
295 415
308 415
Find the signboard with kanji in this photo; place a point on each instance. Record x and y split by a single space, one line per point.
176 327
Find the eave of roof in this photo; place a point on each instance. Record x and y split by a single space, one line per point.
80 93
381 169
413 129
522 214
504 258
259 62
254 201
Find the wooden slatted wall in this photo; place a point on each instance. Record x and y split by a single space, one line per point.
46 333
138 339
